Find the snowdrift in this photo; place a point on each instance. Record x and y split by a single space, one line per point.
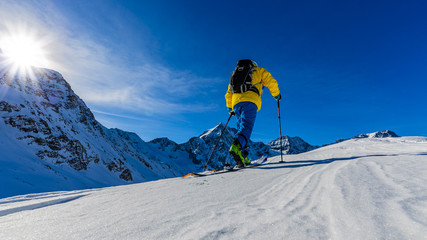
364 188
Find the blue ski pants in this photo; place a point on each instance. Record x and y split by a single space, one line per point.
246 115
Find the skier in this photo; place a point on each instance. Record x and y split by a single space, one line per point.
243 100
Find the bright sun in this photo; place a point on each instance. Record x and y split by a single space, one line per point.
23 51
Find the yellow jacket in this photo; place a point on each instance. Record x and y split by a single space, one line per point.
260 78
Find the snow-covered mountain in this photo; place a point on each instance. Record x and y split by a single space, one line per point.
51 141
379 134
201 147
291 145
365 188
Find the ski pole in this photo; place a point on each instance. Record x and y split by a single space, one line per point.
207 161
280 130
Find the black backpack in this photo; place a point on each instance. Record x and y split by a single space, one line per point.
241 77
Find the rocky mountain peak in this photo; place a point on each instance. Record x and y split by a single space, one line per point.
291 145
216 131
379 134
165 143
41 111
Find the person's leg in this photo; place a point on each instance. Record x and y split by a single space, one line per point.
246 115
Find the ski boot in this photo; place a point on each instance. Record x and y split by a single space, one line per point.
236 153
246 161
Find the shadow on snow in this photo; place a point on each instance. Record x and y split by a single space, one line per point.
306 163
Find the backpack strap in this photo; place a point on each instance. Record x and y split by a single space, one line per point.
254 89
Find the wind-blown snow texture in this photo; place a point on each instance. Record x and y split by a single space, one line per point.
367 188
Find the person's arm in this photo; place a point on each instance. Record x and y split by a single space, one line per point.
271 83
229 97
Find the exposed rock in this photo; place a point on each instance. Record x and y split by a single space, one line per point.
126 175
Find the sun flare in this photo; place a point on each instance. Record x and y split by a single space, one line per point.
23 51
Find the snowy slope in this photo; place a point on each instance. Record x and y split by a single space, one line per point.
365 188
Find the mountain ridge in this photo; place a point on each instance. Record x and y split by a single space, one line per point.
63 140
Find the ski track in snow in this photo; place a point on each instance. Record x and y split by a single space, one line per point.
358 189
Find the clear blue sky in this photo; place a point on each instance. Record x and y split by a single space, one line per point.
161 68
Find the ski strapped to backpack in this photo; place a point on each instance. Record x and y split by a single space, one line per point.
241 77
